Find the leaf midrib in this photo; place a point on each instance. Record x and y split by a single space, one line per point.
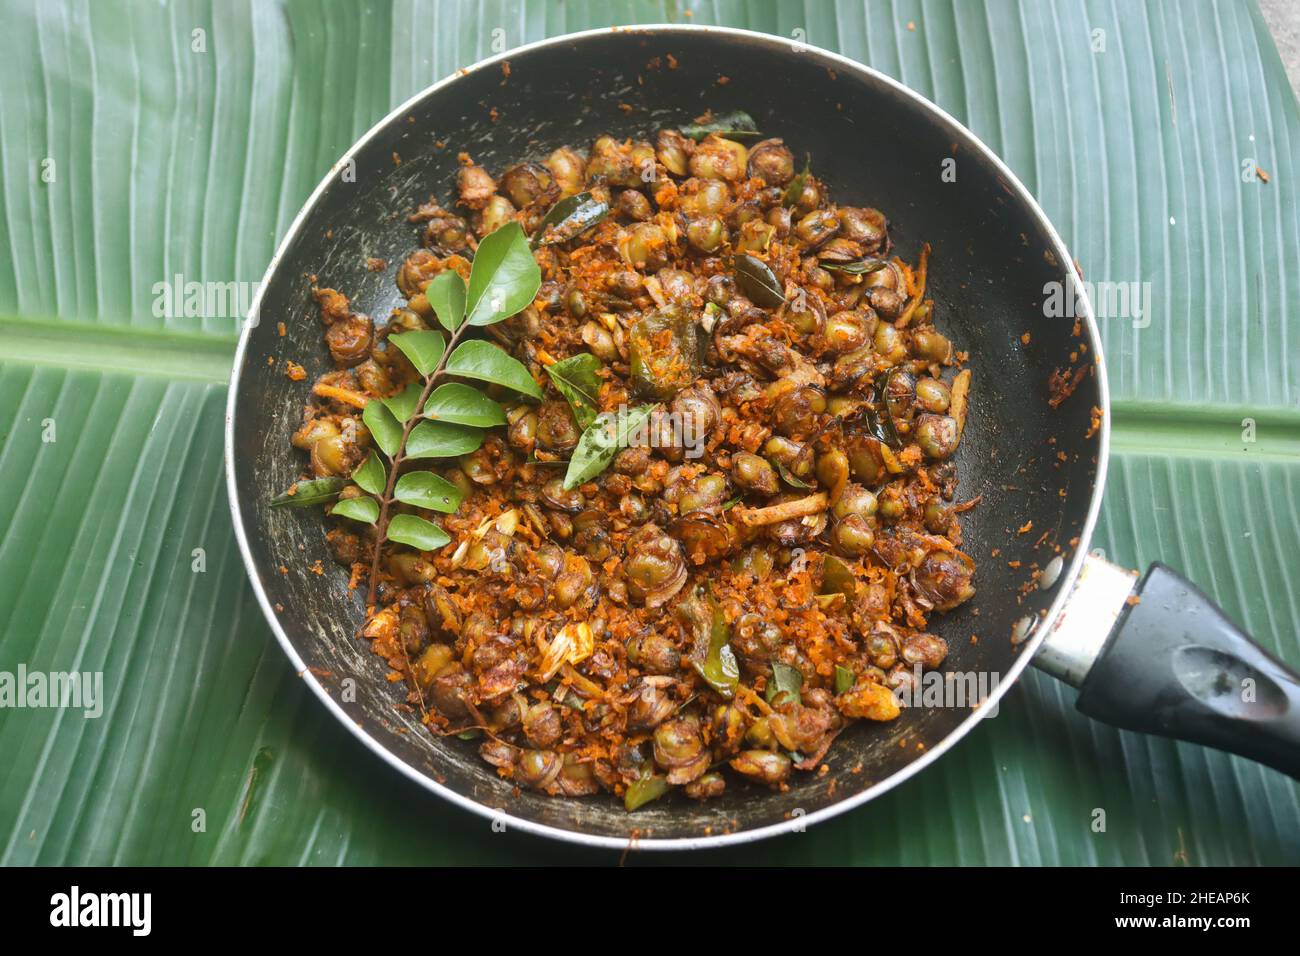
161 353
1137 427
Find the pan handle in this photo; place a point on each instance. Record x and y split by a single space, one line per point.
1174 664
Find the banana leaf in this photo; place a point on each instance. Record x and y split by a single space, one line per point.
145 144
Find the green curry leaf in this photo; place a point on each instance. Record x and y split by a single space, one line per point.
424 489
734 125
362 508
405 403
793 191
490 363
505 276
844 679
463 405
424 348
384 427
442 440
446 295
577 378
417 532
601 441
371 476
786 681
649 786
315 491
711 654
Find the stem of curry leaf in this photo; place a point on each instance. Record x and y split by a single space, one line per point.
381 525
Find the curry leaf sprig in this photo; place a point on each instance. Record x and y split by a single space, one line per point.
434 418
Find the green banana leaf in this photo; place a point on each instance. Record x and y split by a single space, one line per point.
142 141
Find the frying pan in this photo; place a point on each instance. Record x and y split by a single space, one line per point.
1153 655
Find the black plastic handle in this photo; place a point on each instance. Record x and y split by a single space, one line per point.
1175 665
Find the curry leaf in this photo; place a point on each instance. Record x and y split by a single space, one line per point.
601 441
424 348
505 276
386 429
859 267
837 578
649 786
881 422
758 281
787 681
790 478
577 378
711 654
844 679
315 491
371 476
722 671
793 191
503 280
459 403
405 403
424 489
417 532
446 294
442 440
734 125
570 218
362 508
490 363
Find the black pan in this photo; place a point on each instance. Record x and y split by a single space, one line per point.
995 258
